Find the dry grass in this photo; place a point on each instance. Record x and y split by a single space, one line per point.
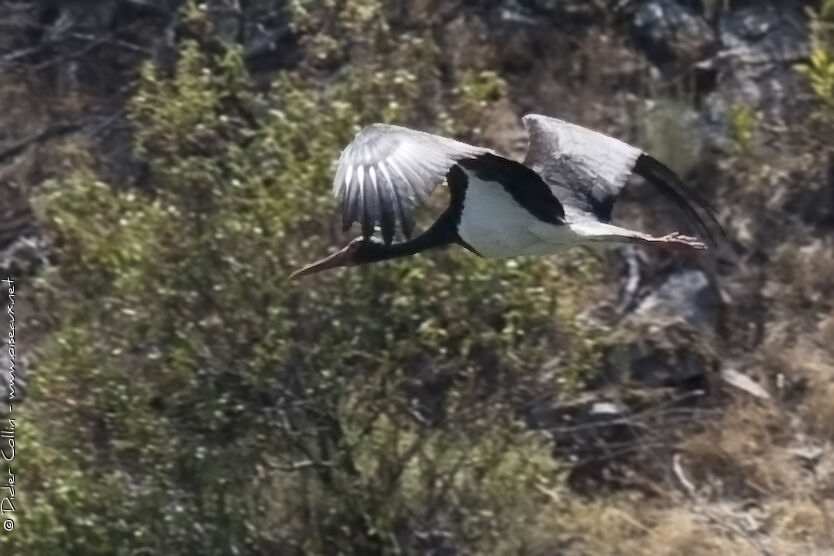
797 521
763 473
679 531
818 368
802 277
619 525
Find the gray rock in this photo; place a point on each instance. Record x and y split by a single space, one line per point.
23 256
764 35
688 295
755 67
672 34
664 339
655 356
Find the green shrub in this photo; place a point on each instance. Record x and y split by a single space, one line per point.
742 126
819 70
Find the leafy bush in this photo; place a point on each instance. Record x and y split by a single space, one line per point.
189 399
819 70
742 127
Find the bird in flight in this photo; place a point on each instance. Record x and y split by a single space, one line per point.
560 197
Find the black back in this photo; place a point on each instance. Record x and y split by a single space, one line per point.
523 184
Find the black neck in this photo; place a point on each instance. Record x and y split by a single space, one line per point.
443 232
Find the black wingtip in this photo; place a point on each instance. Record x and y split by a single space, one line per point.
387 214
668 182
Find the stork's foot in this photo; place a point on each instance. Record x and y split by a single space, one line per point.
677 240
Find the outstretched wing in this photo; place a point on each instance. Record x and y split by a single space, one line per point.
588 169
387 170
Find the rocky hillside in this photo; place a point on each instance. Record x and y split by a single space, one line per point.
163 164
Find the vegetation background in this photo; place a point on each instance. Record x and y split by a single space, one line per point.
164 165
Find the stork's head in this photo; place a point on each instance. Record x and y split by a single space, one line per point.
359 251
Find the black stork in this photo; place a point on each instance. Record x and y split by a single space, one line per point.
560 197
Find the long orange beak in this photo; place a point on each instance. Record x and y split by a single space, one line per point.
337 259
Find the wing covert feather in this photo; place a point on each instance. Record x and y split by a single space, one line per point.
608 160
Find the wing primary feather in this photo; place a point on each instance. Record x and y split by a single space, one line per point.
398 208
388 219
350 207
360 205
342 187
371 212
670 176
360 176
413 178
662 177
344 184
680 200
386 206
411 189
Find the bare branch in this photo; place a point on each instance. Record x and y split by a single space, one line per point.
300 465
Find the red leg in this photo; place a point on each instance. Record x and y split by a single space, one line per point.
676 240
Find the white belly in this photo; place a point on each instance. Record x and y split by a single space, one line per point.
497 227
